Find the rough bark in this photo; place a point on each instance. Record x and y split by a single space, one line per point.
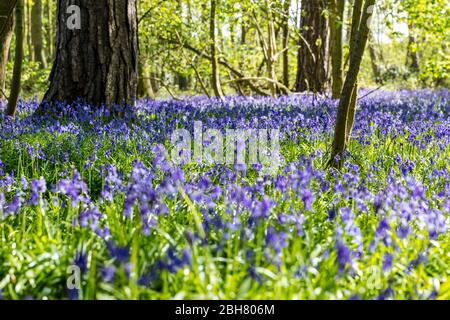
345 118
17 72
98 63
6 32
312 69
37 35
215 77
337 8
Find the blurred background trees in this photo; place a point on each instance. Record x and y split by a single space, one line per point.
255 46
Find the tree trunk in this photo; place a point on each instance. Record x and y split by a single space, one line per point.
6 32
345 116
99 62
337 8
181 79
285 21
50 31
17 72
374 60
215 77
27 23
37 33
243 29
271 51
412 56
145 89
312 69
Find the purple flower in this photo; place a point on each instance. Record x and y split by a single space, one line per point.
38 187
14 206
24 183
120 254
307 198
80 261
108 274
343 255
387 262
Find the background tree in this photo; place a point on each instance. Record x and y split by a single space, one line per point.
412 55
215 77
336 8
37 33
362 12
313 57
99 62
286 5
17 73
175 47
6 32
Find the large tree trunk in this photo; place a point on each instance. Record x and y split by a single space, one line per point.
312 70
337 8
347 104
99 62
6 32
215 77
37 33
17 72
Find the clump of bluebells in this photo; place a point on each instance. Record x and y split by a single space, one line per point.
81 188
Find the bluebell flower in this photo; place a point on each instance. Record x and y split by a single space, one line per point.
343 256
387 262
108 274
80 261
120 254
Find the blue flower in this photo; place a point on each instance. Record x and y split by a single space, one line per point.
387 262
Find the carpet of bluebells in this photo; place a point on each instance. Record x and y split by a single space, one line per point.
89 193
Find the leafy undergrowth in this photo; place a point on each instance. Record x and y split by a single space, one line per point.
83 191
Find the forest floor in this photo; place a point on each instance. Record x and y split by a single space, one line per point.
91 207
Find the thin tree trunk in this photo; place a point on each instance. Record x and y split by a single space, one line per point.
36 33
312 64
98 63
337 8
351 113
181 79
243 30
412 56
271 51
374 60
17 72
50 31
27 23
6 32
215 77
145 89
345 117
286 6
